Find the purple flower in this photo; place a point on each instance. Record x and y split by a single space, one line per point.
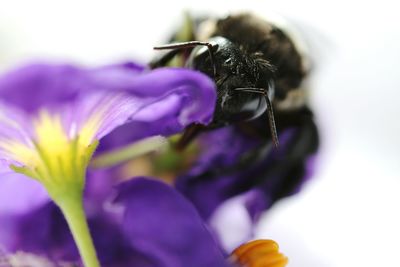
52 116
39 99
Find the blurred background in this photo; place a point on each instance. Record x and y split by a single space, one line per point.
348 215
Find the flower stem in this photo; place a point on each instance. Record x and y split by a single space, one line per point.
72 207
118 156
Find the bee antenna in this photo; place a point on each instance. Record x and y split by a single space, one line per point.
189 44
271 117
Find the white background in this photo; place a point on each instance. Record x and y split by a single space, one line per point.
348 215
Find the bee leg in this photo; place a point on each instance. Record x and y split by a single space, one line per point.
191 44
271 120
270 112
190 133
164 59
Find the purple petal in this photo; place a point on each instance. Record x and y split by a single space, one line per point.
195 90
19 194
174 98
271 175
232 222
40 84
182 97
42 231
33 86
166 100
48 85
223 148
162 224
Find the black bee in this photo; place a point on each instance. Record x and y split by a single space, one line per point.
256 66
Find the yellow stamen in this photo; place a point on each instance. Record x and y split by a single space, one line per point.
259 253
54 157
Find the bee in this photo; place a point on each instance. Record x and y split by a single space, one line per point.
258 68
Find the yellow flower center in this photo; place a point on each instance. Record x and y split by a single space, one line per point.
54 156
